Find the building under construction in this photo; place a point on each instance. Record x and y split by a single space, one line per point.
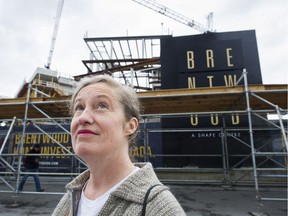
208 118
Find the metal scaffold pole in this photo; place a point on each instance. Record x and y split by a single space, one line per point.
284 134
20 147
249 113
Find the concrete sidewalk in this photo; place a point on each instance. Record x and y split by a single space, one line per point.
196 200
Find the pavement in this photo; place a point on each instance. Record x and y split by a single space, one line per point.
196 200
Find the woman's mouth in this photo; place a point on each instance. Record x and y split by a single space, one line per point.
85 132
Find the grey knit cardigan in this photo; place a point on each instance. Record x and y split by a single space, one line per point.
127 199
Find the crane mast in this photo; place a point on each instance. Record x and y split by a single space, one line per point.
153 5
55 31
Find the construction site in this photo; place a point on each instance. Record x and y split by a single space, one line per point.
208 120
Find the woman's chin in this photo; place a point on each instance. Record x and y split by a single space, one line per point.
83 151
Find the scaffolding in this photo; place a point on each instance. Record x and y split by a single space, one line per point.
135 61
250 101
132 60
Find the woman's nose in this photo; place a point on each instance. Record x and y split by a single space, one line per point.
85 117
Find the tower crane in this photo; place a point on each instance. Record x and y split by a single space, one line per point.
55 31
153 5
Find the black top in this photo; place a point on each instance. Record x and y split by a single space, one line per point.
32 162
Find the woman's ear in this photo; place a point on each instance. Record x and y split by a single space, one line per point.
131 126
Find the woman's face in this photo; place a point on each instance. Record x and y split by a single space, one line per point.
99 127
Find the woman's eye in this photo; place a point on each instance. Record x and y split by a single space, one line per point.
102 106
78 108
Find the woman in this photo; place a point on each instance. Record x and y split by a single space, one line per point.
105 121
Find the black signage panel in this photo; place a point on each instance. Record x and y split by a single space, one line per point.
214 53
207 60
55 159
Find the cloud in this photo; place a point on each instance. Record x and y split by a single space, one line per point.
26 31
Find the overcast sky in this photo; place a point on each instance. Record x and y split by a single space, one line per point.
26 28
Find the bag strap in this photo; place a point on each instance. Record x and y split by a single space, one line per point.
146 199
